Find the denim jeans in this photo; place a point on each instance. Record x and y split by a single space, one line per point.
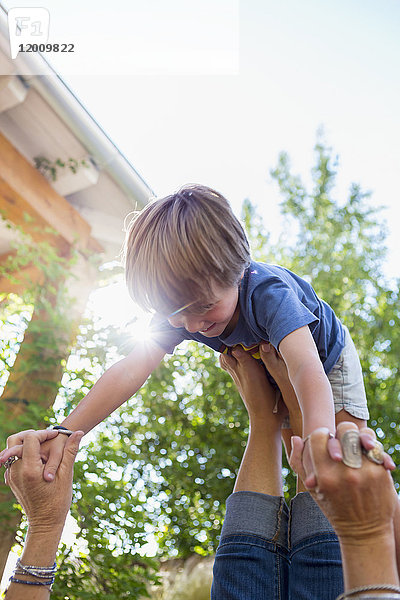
270 553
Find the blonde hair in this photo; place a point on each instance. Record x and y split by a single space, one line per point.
178 246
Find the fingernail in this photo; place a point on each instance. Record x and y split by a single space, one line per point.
50 476
265 347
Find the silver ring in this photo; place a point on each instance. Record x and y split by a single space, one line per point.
376 454
351 449
10 461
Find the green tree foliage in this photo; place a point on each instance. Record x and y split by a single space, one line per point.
150 472
14 317
340 248
109 507
45 344
191 428
164 463
50 329
173 451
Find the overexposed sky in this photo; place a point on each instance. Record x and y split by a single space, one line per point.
212 91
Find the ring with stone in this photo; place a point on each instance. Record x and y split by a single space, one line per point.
376 454
9 462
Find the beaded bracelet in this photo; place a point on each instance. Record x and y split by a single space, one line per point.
46 584
45 573
40 572
37 575
25 572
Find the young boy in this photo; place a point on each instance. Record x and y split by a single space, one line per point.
187 259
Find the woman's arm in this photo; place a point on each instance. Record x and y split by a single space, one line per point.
360 504
46 506
370 562
113 388
40 550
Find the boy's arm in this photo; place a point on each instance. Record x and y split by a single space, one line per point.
309 380
115 386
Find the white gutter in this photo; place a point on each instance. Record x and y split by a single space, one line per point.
68 107
104 152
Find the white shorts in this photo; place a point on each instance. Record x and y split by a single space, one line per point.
347 382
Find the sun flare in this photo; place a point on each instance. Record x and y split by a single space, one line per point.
139 327
113 306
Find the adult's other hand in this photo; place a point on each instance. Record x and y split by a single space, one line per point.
45 503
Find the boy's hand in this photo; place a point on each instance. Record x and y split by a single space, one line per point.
51 451
46 505
14 444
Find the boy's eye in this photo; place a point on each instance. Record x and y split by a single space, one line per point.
204 308
200 309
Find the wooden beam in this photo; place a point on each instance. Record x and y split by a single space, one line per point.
27 199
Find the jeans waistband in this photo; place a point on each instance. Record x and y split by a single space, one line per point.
306 519
256 514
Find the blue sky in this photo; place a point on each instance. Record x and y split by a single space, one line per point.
212 91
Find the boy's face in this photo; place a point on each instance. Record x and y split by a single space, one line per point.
213 319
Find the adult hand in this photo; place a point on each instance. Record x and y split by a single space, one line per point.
15 442
276 366
45 504
360 503
51 450
250 379
305 471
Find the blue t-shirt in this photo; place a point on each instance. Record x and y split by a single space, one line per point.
273 302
